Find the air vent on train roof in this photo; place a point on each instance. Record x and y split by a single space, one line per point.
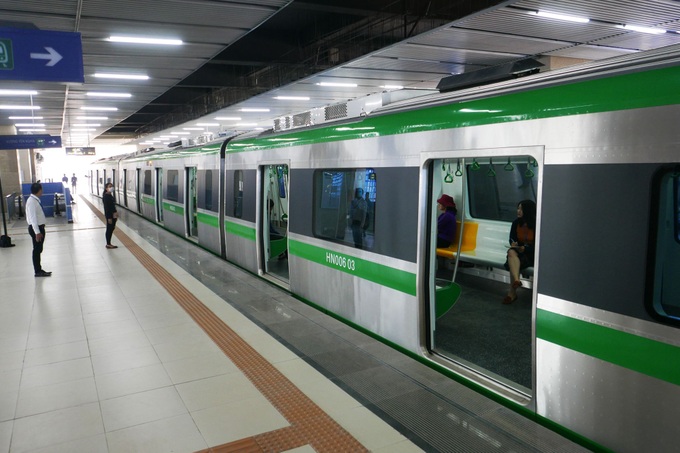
486 76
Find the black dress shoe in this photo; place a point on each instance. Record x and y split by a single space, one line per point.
43 274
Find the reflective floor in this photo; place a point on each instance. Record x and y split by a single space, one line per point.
100 357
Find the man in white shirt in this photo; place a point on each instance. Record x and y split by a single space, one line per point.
36 227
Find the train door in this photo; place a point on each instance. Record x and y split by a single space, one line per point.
190 202
98 182
138 194
480 317
92 181
125 188
115 185
273 227
159 195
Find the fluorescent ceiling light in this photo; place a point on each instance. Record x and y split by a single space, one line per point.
142 40
168 136
88 118
228 118
253 110
337 84
25 117
87 125
29 125
193 128
86 129
650 30
103 109
32 130
392 87
19 107
104 75
18 92
207 124
101 94
246 124
292 98
549 15
180 133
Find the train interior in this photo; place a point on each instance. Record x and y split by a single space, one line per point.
472 326
275 221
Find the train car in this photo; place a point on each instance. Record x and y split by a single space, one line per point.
590 347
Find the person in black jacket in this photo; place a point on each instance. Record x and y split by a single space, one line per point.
110 213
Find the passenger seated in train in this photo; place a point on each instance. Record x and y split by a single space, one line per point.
446 222
521 248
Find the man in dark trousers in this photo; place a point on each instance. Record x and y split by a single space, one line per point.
110 213
74 180
36 227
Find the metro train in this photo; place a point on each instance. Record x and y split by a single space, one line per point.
592 345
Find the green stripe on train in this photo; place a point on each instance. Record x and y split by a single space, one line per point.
148 200
646 356
383 275
637 90
179 210
208 219
240 230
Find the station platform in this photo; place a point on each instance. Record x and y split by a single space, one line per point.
160 346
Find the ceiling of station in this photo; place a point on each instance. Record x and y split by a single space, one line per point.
242 54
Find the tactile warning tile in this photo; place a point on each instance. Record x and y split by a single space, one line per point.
309 425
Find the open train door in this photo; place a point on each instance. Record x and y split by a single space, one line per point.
273 221
470 327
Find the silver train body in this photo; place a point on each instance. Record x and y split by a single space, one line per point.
597 147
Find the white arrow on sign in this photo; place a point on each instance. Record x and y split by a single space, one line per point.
52 142
52 55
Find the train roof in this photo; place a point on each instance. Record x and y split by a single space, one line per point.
645 79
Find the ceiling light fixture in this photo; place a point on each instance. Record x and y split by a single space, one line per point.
193 128
253 110
246 124
105 75
102 109
208 124
549 15
650 30
180 133
25 117
29 125
88 118
142 40
337 84
87 125
292 98
18 92
392 87
101 94
19 107
32 130
85 129
228 118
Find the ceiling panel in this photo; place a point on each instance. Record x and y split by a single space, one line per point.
462 38
404 64
590 52
641 41
94 28
448 54
40 21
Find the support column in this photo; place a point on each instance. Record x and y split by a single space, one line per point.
9 165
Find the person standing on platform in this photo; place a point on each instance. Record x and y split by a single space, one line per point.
36 227
74 180
64 180
110 213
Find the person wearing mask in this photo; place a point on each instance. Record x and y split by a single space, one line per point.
35 217
446 222
110 213
521 250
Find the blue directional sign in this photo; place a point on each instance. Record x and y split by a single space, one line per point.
29 141
50 56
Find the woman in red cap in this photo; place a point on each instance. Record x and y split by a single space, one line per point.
446 222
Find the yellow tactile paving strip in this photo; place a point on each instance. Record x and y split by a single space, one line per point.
309 425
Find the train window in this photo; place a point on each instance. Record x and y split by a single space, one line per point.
666 280
147 182
496 186
238 194
344 206
172 192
